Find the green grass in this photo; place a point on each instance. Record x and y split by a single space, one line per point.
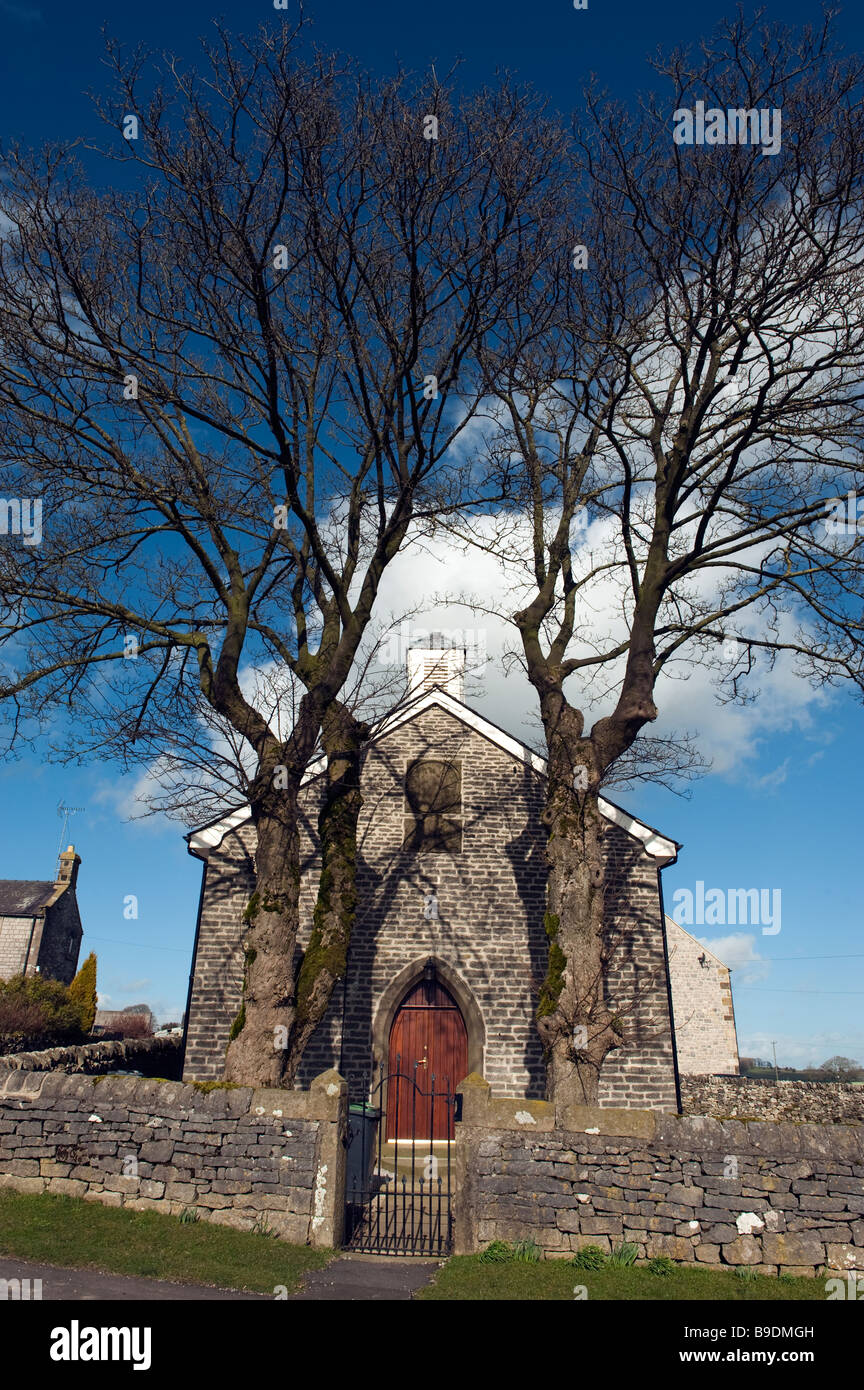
468 1277
70 1231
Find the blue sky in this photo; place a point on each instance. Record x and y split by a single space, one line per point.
782 809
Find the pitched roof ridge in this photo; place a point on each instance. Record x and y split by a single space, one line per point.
656 843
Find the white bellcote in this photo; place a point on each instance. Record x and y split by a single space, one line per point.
430 667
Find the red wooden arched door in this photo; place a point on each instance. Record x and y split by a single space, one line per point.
429 1039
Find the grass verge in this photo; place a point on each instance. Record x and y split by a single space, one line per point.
85 1235
466 1277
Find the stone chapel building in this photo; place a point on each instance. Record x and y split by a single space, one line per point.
448 948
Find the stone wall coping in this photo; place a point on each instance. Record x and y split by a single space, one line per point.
322 1101
479 1108
596 1119
767 1138
678 1133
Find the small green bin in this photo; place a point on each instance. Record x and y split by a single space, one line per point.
362 1147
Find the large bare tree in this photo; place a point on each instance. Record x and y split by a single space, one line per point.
691 403
236 365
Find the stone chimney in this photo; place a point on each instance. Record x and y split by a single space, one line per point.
430 666
67 873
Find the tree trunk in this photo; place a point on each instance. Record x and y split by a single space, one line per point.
325 958
259 1035
576 1026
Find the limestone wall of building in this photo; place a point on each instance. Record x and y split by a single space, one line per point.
60 945
51 940
15 934
488 937
702 1005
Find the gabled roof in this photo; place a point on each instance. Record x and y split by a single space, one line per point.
670 922
660 847
24 897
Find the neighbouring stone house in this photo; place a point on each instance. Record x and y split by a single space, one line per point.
40 925
448 949
705 1037
115 1020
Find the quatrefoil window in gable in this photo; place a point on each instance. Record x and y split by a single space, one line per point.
433 806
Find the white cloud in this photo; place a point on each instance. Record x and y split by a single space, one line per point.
738 951
451 586
432 576
775 778
796 1052
125 797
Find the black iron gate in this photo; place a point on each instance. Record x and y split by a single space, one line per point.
398 1184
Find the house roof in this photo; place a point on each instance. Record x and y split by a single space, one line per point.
24 897
659 846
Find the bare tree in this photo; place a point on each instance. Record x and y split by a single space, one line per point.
236 377
691 404
842 1069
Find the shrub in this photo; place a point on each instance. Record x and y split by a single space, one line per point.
502 1252
59 1016
590 1257
261 1227
747 1273
661 1264
134 1026
19 1016
528 1251
624 1254
497 1253
82 992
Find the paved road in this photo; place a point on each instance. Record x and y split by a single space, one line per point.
356 1277
90 1285
350 1278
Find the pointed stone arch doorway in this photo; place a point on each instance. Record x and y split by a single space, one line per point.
426 1025
429 1020
428 1057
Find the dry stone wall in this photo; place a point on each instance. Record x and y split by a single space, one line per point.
775 1196
151 1056
238 1156
740 1097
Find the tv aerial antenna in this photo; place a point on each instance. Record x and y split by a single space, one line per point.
66 812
